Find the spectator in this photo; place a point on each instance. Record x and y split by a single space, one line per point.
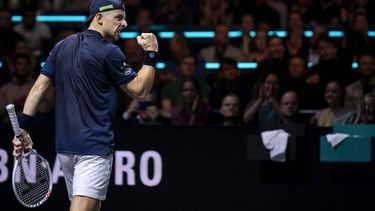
17 89
330 66
173 12
366 82
264 109
324 12
366 110
230 112
259 9
258 48
192 109
296 42
247 25
221 47
356 41
304 8
171 92
313 50
229 81
282 9
277 61
215 12
297 81
289 108
365 7
35 33
144 112
143 20
179 48
335 113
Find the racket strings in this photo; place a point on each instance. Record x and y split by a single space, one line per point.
34 185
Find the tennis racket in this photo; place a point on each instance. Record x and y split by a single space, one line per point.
31 177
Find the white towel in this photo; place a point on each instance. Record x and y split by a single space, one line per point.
276 142
336 138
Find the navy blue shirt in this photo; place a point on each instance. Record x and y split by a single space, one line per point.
86 70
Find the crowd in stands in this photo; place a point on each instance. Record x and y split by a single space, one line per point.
298 78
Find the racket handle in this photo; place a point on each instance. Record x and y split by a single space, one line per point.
13 119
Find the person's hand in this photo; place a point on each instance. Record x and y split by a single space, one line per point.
261 93
148 42
133 107
19 146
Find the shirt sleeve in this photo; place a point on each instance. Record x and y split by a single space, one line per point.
48 68
118 68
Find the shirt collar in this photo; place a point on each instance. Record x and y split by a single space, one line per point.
93 32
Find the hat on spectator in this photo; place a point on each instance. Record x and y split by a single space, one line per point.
102 6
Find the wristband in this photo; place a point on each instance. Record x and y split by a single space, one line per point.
151 57
26 121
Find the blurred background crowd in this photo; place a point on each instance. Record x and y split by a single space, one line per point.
317 79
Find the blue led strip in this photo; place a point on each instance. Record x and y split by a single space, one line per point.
371 33
212 65
160 65
308 33
247 65
166 34
354 65
216 65
1 64
277 33
128 35
54 18
199 34
335 34
234 34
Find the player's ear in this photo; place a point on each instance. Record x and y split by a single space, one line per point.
99 18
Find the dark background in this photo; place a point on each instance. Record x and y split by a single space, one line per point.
207 168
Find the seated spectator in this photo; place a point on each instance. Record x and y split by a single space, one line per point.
228 81
366 110
264 109
222 47
17 89
277 61
214 12
35 33
313 49
170 92
289 108
144 112
258 47
192 110
230 111
244 42
296 42
366 82
308 93
173 12
335 113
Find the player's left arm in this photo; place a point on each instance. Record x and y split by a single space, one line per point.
141 85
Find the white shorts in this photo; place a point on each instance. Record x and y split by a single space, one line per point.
86 175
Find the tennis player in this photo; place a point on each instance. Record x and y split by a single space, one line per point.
86 68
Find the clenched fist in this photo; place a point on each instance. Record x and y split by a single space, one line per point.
148 42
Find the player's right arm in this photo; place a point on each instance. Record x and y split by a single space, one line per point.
35 95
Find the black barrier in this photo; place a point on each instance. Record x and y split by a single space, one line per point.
206 168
